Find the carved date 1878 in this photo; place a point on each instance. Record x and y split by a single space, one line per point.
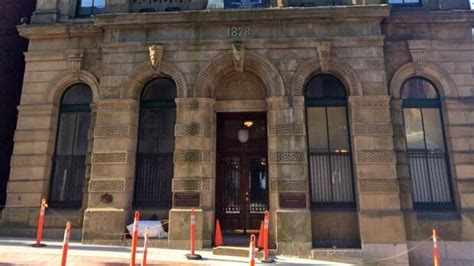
238 32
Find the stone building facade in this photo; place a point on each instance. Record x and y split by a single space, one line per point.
364 109
12 68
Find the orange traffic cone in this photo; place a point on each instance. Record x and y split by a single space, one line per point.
218 240
260 236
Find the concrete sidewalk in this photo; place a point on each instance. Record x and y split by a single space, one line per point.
18 251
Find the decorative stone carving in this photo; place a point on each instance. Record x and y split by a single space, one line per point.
114 157
466 186
76 58
107 185
379 186
192 157
286 130
191 184
286 157
238 52
324 50
288 186
156 56
193 129
373 129
112 131
334 65
376 157
141 74
417 51
254 63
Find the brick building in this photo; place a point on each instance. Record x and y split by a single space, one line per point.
12 66
350 121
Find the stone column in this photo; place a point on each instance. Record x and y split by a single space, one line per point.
288 175
380 218
46 12
30 165
194 172
113 168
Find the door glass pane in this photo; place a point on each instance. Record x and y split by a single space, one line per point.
67 127
317 129
413 128
433 130
257 184
338 132
232 185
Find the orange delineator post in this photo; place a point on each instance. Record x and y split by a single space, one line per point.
39 233
67 235
218 240
436 259
252 251
193 255
145 248
266 224
260 236
136 221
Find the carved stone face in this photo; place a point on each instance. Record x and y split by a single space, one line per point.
155 54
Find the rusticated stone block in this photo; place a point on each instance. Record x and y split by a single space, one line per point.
287 157
114 157
112 131
373 129
379 186
288 185
194 129
286 130
192 157
108 185
376 157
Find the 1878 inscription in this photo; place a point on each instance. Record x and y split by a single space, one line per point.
238 32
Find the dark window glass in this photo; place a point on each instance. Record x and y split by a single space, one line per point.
330 162
71 148
426 149
156 145
87 8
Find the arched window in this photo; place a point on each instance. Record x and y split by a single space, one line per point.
154 170
426 148
69 162
330 163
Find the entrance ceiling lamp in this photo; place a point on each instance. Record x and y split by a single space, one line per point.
243 134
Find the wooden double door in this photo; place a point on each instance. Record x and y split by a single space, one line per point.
242 180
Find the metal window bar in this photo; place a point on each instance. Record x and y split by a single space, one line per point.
153 180
331 180
430 179
68 180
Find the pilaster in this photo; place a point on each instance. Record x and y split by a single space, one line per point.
110 188
380 218
288 176
194 172
46 12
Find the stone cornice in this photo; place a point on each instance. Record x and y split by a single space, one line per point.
48 31
332 13
416 17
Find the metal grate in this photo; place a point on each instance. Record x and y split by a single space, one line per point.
430 179
331 179
153 180
68 180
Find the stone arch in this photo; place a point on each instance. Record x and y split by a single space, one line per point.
254 63
140 75
440 78
337 67
59 85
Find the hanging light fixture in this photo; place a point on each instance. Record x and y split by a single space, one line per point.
243 134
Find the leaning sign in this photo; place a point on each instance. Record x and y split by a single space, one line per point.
246 3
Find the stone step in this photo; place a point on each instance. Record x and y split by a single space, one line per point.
353 256
239 251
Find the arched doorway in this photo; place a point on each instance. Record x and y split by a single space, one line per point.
241 161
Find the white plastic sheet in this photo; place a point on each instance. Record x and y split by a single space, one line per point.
156 229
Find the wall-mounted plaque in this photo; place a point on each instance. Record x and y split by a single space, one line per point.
293 200
186 199
246 3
